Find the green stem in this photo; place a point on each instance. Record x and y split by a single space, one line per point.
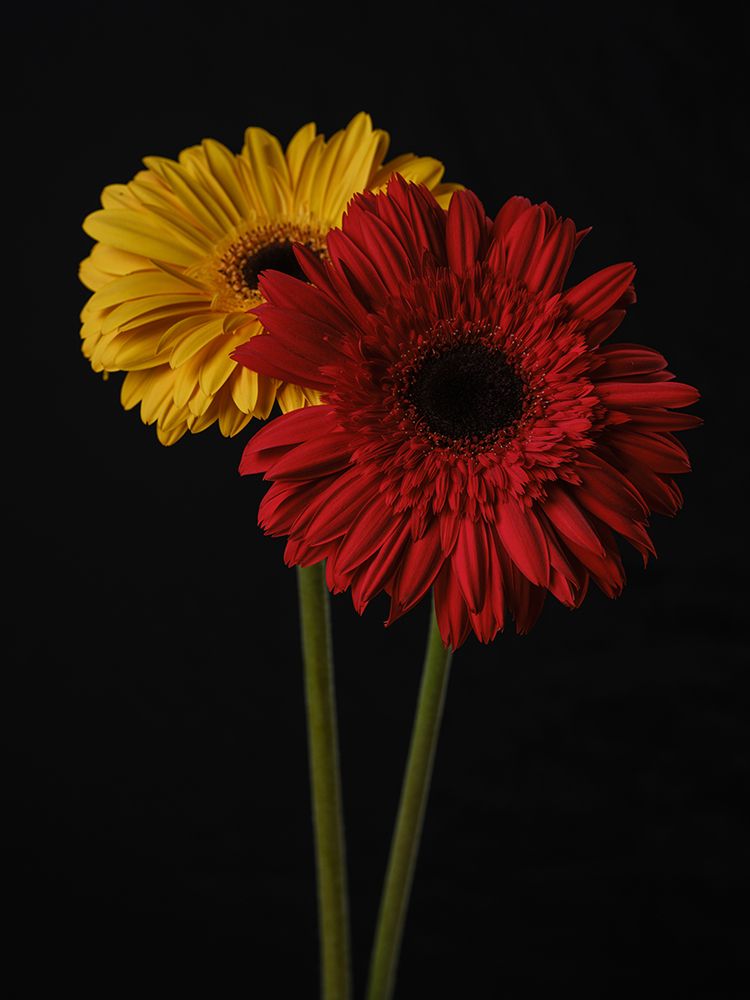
330 853
395 900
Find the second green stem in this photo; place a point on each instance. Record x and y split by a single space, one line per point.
405 844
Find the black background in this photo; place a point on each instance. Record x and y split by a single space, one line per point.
585 824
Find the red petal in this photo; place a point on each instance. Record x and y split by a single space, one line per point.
362 274
340 507
288 292
450 525
491 618
316 270
368 532
524 540
426 217
266 355
465 231
298 553
610 486
568 578
397 220
377 572
662 454
450 609
470 563
571 521
497 585
661 494
283 504
308 336
381 246
523 242
625 360
315 458
628 526
674 394
511 210
606 571
420 565
524 600
605 326
561 588
662 420
598 293
547 272
283 433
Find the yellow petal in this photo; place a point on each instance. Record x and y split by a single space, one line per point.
312 396
171 415
182 275
422 170
118 196
189 182
208 212
244 386
234 322
90 275
223 167
231 420
180 329
133 351
297 150
203 418
186 379
139 233
324 167
139 285
122 316
169 437
191 344
116 262
133 387
264 154
264 150
158 390
217 368
304 192
140 354
283 193
266 396
352 178
144 352
196 166
351 167
200 403
165 317
173 216
258 208
290 397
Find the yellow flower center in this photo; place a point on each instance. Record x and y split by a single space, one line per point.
233 270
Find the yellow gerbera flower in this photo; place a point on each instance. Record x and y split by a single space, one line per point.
175 268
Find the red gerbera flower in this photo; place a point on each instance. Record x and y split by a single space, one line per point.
477 434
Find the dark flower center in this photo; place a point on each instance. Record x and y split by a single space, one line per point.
277 256
468 391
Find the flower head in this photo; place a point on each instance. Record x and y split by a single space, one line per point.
477 432
181 247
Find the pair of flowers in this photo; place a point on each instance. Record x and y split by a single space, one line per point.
454 418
